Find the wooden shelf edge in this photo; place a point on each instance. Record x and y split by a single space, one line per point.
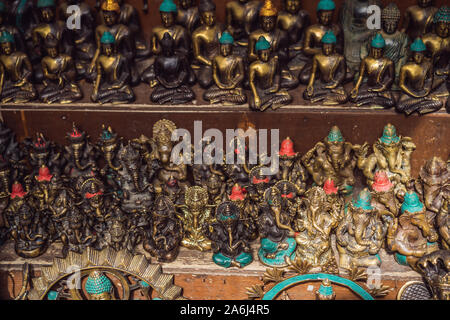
195 263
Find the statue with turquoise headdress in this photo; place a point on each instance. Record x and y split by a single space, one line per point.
6 25
124 40
228 75
391 153
48 26
360 235
15 72
265 80
279 43
181 39
333 158
420 92
327 74
396 41
99 287
312 43
411 235
376 75
113 74
230 237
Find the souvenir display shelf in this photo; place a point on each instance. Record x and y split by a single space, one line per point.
306 124
194 271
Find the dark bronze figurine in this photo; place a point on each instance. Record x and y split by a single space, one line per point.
15 72
166 231
230 237
173 75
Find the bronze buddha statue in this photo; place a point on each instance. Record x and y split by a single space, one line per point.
379 73
228 75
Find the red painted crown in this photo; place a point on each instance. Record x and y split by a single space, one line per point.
44 174
17 191
287 148
329 187
237 193
381 182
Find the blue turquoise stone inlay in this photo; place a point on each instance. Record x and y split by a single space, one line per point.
326 291
268 246
243 259
401 259
52 295
279 287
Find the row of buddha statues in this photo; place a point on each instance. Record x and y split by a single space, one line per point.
257 56
130 195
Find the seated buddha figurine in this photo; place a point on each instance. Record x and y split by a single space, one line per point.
15 73
205 42
327 74
418 18
355 19
113 75
180 36
129 16
123 36
172 72
228 75
312 43
59 75
6 26
379 73
48 25
82 39
396 41
188 15
438 50
182 42
265 80
294 21
278 40
241 19
416 82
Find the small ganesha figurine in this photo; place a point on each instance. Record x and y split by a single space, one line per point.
166 232
194 214
277 245
411 236
318 216
230 237
360 235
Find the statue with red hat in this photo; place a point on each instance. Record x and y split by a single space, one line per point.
26 227
385 197
332 158
249 209
80 154
291 168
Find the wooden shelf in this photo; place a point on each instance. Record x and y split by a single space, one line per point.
194 262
